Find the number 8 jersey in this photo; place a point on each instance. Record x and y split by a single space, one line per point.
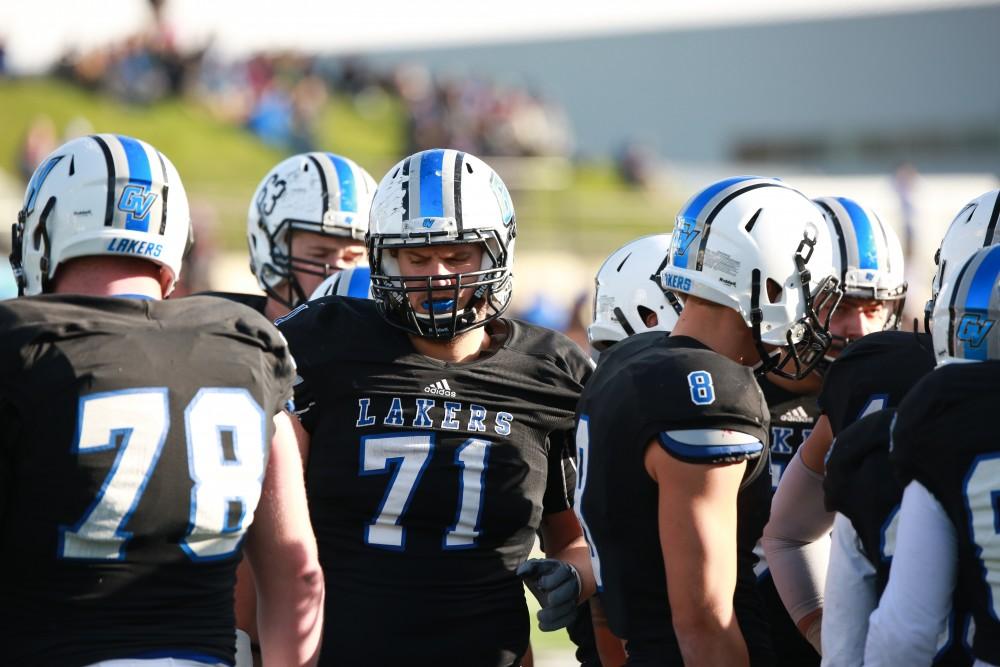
134 436
653 386
427 481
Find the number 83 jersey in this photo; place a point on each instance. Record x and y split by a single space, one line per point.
134 436
427 481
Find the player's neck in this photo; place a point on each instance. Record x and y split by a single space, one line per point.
95 276
466 346
720 329
273 309
810 384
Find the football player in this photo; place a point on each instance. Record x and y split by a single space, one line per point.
672 429
869 261
437 433
799 522
627 300
306 221
627 295
944 450
143 443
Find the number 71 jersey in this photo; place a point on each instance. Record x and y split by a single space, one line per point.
134 436
945 437
429 476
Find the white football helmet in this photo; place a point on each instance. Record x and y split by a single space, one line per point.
105 194
967 309
973 228
356 282
437 197
867 254
763 249
313 192
628 290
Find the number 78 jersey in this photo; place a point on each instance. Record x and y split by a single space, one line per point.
427 481
134 436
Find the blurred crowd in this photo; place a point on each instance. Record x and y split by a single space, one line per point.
280 96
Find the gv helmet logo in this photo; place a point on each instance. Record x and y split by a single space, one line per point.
685 232
136 200
973 328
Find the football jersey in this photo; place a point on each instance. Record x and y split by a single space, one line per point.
427 481
874 373
860 484
646 385
135 436
945 437
792 419
256 301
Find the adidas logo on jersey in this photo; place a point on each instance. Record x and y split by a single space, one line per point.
439 388
796 414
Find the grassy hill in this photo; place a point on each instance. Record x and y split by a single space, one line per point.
591 213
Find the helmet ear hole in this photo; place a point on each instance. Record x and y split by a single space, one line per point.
647 316
773 291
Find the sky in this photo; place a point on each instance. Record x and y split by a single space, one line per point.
36 32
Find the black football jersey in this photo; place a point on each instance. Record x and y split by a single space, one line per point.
945 437
645 386
134 437
792 419
860 484
874 373
427 481
256 301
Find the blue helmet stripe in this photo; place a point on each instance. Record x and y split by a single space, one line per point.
864 232
348 188
698 204
360 280
431 186
978 297
138 162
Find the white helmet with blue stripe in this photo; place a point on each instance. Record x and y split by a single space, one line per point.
355 282
313 192
973 228
440 197
762 248
967 309
104 194
628 292
867 254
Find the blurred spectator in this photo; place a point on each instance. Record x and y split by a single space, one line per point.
904 181
636 164
3 58
39 141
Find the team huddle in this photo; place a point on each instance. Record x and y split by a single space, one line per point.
760 468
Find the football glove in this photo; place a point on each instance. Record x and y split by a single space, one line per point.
557 586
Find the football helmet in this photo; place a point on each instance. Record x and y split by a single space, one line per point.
355 282
974 227
313 192
628 290
762 248
867 254
104 194
967 309
438 197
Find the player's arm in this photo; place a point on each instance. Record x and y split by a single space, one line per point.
697 524
913 610
850 598
796 538
282 552
610 648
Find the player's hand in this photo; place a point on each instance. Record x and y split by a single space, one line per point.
557 586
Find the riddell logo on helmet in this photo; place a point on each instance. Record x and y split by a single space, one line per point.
440 388
726 281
